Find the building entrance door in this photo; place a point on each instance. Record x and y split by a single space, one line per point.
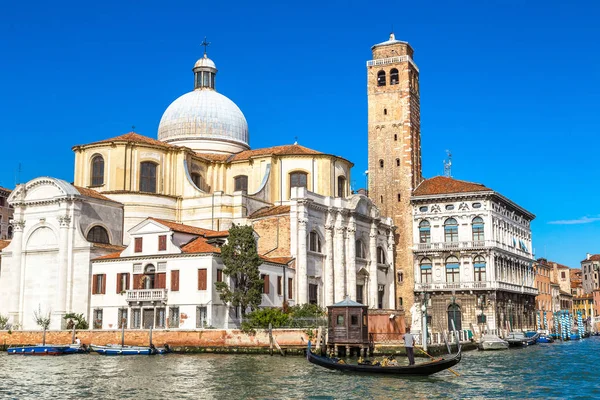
148 318
454 315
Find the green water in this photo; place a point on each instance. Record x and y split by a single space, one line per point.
546 371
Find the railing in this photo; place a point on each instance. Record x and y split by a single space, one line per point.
449 286
392 60
147 295
469 244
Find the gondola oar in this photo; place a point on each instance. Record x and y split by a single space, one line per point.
433 358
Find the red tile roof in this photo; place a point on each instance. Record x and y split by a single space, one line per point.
277 260
5 189
199 245
4 243
136 138
108 246
109 256
177 227
594 257
286 150
93 194
269 211
445 185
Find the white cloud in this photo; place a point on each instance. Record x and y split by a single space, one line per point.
582 220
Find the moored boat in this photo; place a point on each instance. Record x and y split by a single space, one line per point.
37 350
545 339
421 369
518 339
119 350
492 342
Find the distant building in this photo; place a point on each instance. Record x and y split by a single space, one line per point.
589 269
585 304
543 300
6 213
472 256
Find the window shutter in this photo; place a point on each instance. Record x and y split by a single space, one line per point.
219 275
103 283
202 279
127 281
119 288
161 280
279 285
175 280
138 245
94 284
266 283
137 281
290 291
162 242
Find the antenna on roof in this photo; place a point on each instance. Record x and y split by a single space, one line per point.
295 139
448 165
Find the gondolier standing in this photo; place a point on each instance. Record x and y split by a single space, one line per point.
409 343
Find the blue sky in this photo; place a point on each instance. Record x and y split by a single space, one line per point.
511 89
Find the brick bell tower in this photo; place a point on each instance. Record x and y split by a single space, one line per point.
395 149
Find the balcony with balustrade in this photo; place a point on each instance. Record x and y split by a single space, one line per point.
474 286
467 245
142 295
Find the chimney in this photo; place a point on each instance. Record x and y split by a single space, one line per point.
587 256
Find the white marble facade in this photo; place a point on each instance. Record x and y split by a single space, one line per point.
46 267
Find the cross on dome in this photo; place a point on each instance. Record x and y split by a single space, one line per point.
205 44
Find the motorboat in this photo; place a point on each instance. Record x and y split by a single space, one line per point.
47 349
121 350
543 338
492 342
518 339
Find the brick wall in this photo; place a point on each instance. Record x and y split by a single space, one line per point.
274 232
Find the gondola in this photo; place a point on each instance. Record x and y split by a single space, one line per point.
422 369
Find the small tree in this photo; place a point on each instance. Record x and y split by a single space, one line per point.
78 321
241 261
42 320
3 322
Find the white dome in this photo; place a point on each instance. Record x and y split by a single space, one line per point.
205 62
203 115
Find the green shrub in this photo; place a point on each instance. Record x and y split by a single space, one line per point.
260 319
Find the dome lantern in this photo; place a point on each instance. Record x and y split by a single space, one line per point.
204 71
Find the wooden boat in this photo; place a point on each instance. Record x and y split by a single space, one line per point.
118 350
492 342
37 350
422 369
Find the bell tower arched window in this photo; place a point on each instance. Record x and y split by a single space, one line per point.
97 178
381 78
148 177
394 76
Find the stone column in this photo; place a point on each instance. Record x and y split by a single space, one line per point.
351 259
301 267
328 273
16 268
340 259
63 264
373 267
391 292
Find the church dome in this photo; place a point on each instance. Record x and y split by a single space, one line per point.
204 119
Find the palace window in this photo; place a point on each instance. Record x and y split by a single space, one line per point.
122 315
426 275
381 78
478 229
148 177
380 255
394 76
341 189
359 293
160 317
424 231
98 318
136 318
452 270
240 183
313 293
197 179
201 317
173 317
451 230
97 171
314 242
98 235
479 268
360 249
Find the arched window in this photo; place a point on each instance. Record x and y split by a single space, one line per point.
298 179
424 232
451 230
197 179
240 183
426 275
381 163
341 186
380 255
452 270
10 232
381 78
97 171
394 76
454 314
479 268
148 177
149 277
314 242
360 249
98 235
478 229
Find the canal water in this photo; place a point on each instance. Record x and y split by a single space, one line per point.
548 371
